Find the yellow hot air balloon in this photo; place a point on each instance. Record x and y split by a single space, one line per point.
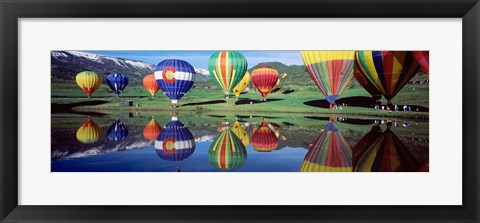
89 132
241 133
242 84
88 81
284 75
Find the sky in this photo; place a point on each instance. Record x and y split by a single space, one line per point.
199 59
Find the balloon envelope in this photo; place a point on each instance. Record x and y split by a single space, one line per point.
264 78
241 133
175 142
330 70
227 151
388 71
366 84
152 130
227 68
117 131
422 58
175 78
117 82
264 139
89 132
150 84
88 81
329 153
242 84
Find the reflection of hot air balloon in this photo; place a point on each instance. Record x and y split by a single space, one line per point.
227 68
117 82
150 84
366 84
175 78
329 153
388 71
264 139
89 132
175 142
117 131
382 152
264 78
330 70
227 151
241 133
88 81
422 58
242 84
152 130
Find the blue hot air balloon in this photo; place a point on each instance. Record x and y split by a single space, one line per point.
117 82
175 142
117 131
175 78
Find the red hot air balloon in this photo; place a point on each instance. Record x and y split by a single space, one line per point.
150 84
366 84
264 139
422 58
264 78
152 130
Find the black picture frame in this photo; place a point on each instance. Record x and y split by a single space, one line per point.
11 11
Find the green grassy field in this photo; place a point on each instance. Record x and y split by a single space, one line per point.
208 100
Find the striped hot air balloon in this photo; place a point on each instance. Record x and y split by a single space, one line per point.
329 153
264 139
175 142
227 151
117 82
388 71
89 132
175 78
422 58
366 84
264 78
152 130
330 70
117 131
88 81
242 84
227 68
241 133
382 152
150 84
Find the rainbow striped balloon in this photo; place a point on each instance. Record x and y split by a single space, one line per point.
422 58
227 68
330 70
227 151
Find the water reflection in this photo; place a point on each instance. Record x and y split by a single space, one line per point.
241 133
175 142
89 132
117 131
152 130
227 151
264 138
329 153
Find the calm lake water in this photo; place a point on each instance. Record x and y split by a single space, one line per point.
191 142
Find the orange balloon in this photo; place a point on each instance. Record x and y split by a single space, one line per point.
152 130
150 84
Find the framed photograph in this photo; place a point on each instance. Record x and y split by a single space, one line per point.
230 111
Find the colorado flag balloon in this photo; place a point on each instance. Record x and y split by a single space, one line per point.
88 81
227 68
175 142
330 70
117 82
175 78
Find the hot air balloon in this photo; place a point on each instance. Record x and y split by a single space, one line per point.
227 151
264 139
422 58
150 84
175 78
175 142
88 81
242 84
388 71
117 82
329 153
152 130
241 133
89 132
330 70
117 131
366 84
264 78
382 152
227 68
